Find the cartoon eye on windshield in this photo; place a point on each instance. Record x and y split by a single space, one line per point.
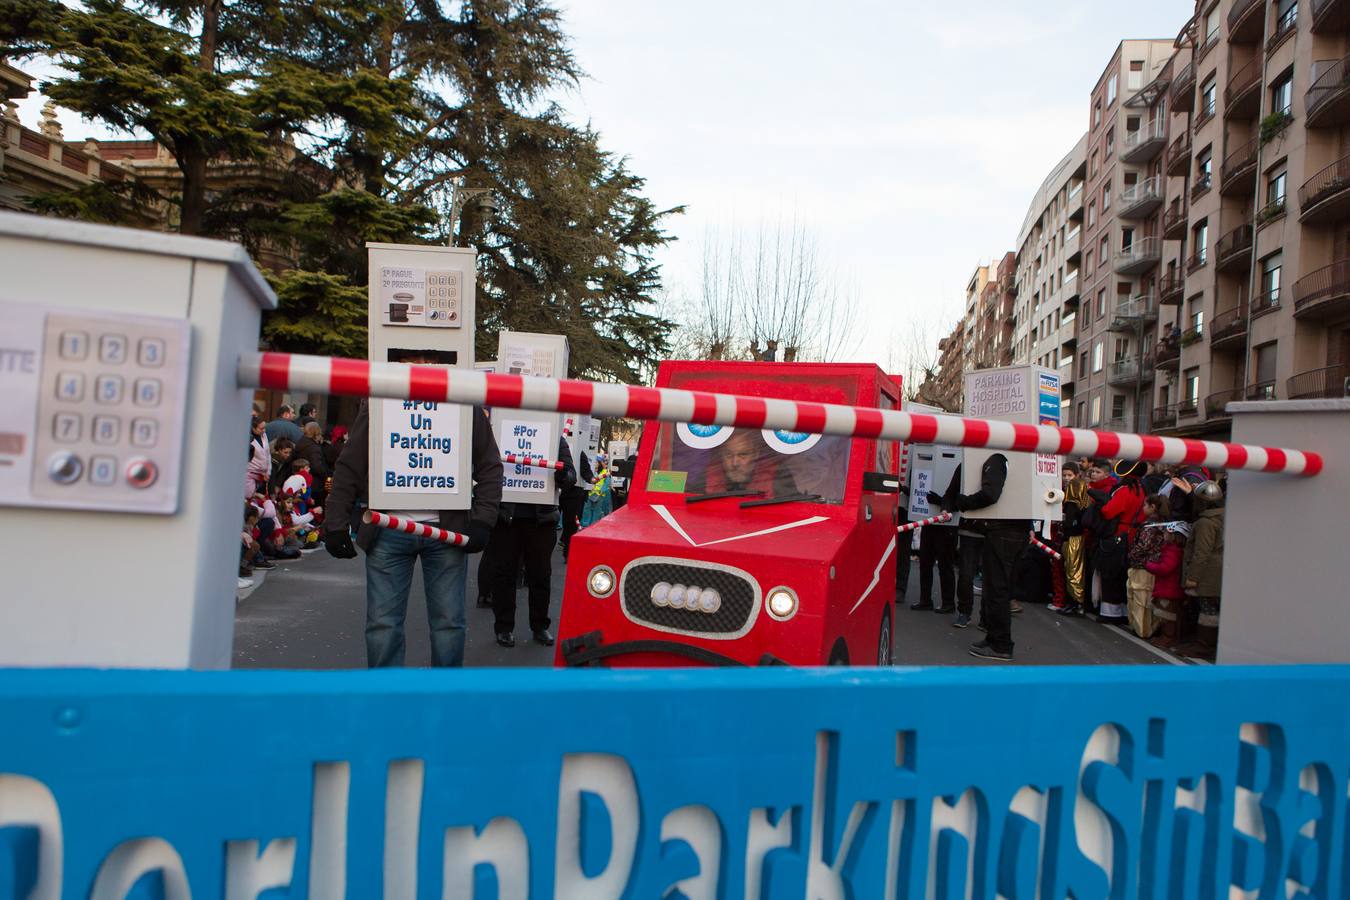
703 437
790 441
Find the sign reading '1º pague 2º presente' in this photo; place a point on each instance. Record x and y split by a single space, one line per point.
1143 782
419 452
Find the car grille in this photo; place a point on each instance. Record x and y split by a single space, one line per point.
740 597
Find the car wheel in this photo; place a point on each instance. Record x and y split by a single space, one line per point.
839 653
885 642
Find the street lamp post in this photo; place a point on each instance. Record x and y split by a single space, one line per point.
460 196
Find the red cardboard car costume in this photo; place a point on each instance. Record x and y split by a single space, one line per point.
741 546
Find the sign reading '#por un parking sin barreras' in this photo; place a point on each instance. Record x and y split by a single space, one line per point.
771 783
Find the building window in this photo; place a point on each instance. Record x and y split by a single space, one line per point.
1204 167
1096 411
1118 406
1198 314
1208 95
1286 14
1097 350
1200 240
1270 279
1097 114
1110 89
1078 419
1212 25
1106 197
1264 365
1282 94
1104 249
1275 182
1101 303
1110 141
1126 238
1191 379
1092 213
1135 80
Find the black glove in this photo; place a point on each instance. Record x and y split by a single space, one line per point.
338 543
935 499
478 537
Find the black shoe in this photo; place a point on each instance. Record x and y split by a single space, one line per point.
542 636
1071 609
962 621
504 639
984 651
982 627
484 603
921 606
264 563
945 610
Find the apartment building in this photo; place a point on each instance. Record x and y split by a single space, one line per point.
1261 307
1047 274
1116 308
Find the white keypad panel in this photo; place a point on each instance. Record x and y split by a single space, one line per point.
110 412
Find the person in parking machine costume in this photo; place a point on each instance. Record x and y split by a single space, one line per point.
1005 541
390 555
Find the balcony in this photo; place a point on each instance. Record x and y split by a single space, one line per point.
1330 15
1171 289
1130 371
1266 302
1273 210
1130 314
1069 286
1242 96
1142 255
1168 355
1075 202
1164 417
1143 144
1073 245
1324 293
1188 408
1216 404
1325 197
1320 384
1285 26
1181 96
1197 260
1141 199
1234 250
1239 170
1244 22
1328 98
1193 335
1228 331
1178 159
1174 221
1200 187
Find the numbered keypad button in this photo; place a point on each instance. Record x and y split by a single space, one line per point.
150 353
67 427
106 429
147 392
74 345
64 467
108 389
112 349
70 387
103 470
144 432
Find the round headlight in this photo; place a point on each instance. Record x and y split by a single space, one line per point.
709 601
676 596
601 581
661 593
781 603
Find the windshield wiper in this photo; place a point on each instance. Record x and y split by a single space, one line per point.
790 498
699 498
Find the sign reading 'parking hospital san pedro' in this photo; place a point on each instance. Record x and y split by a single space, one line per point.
1143 781
419 451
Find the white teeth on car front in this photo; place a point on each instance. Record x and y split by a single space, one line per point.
692 598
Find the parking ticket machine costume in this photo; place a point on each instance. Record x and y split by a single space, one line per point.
744 546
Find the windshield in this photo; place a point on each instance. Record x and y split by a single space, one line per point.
713 459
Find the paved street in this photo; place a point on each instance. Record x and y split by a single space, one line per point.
309 614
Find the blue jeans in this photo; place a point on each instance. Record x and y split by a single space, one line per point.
389 570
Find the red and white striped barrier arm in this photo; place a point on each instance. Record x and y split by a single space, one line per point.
400 381
408 526
537 462
1050 551
931 520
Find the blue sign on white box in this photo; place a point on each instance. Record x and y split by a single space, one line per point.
1046 782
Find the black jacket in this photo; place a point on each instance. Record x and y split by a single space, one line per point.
349 481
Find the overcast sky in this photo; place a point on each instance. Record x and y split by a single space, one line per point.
909 136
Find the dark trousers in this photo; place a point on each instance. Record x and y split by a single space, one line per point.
937 545
570 504
902 565
1004 549
531 542
490 563
970 553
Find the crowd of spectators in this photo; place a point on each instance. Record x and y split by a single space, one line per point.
290 466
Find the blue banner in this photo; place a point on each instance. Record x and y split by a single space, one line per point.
1032 782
